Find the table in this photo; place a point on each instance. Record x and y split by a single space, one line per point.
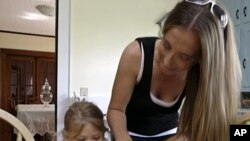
38 118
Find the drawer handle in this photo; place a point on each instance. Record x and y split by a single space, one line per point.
237 14
245 11
244 63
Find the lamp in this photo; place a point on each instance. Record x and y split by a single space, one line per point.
46 10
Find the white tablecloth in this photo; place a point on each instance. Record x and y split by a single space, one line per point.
38 118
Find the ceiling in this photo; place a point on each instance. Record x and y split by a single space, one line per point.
21 16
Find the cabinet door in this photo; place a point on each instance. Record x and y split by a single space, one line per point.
46 69
246 11
21 79
235 10
245 57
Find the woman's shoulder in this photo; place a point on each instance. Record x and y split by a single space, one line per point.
135 46
130 59
132 49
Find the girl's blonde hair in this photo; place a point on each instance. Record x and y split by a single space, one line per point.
213 84
78 115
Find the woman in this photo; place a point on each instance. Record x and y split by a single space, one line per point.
195 58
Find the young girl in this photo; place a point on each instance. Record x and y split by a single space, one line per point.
83 122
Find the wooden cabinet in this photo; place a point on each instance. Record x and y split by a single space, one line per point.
20 72
22 75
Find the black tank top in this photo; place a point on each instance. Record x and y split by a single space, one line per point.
143 115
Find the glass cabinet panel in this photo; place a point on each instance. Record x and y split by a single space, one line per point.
22 78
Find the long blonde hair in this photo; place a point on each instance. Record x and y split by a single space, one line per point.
213 84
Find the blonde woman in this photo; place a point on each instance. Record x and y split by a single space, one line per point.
83 122
196 58
213 86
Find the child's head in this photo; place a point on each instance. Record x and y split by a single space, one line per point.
83 121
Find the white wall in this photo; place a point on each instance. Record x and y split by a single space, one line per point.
91 39
100 30
27 42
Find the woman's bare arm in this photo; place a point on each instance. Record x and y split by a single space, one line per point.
123 86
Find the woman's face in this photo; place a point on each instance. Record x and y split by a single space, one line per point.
90 133
178 51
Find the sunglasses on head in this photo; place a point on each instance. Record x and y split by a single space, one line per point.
215 9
